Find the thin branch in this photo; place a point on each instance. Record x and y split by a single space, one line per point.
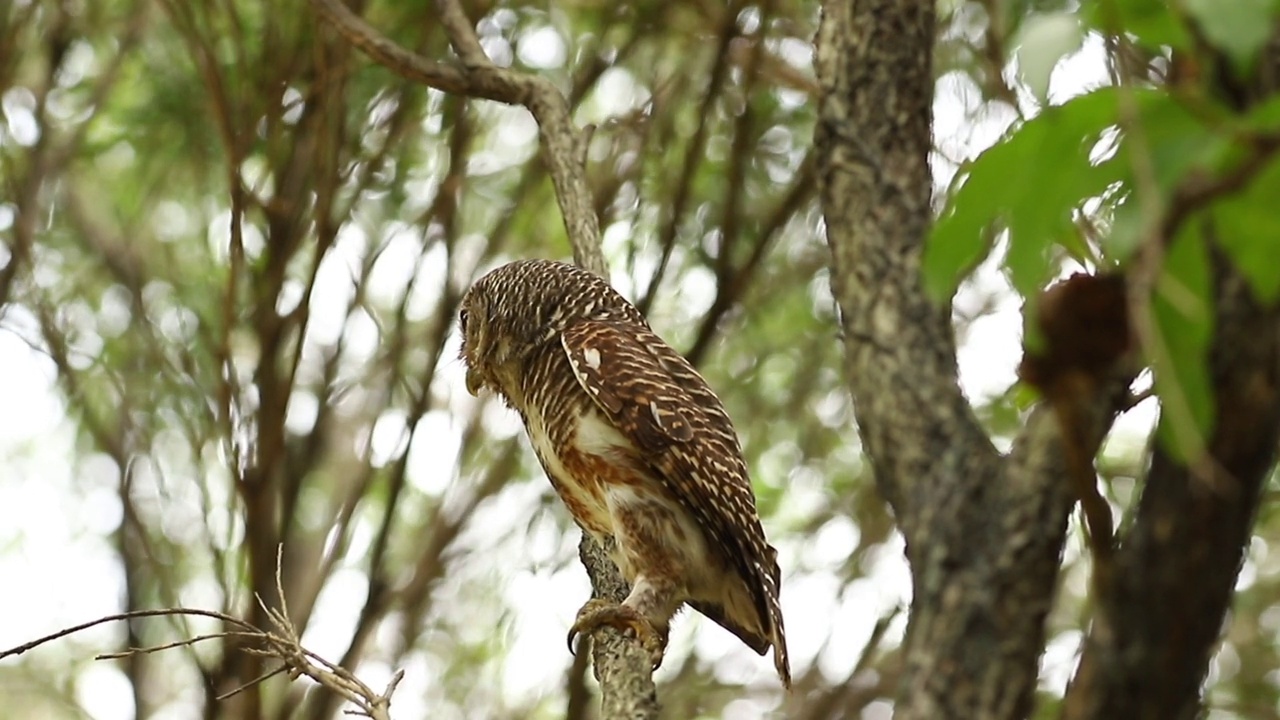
993 57
563 145
462 35
175 644
735 281
1198 191
851 696
694 155
281 643
621 665
385 52
256 681
20 649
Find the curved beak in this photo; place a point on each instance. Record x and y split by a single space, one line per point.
474 382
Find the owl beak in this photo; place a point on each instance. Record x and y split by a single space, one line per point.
474 382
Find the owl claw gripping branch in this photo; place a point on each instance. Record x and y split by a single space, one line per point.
637 446
598 612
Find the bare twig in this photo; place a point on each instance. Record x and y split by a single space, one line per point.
20 649
851 696
280 643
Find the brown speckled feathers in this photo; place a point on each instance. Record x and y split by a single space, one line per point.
562 347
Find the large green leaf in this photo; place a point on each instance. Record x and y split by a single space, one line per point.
1029 183
1263 117
1175 138
1182 310
1164 141
1238 28
1150 22
1248 229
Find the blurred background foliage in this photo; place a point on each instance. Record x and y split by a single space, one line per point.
234 249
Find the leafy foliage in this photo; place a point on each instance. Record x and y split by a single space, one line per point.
1117 169
238 248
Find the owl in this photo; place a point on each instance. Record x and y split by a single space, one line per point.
635 444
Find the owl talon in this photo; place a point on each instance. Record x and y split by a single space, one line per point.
598 612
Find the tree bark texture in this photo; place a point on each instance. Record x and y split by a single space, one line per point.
621 665
984 533
1158 620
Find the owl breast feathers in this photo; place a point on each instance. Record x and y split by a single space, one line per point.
636 445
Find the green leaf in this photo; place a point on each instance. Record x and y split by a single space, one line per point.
1263 117
1182 308
1248 228
955 246
1029 183
1176 140
1149 21
1043 41
1126 231
1238 28
1171 142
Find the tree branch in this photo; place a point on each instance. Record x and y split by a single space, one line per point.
694 155
281 643
1159 618
872 143
983 536
621 665
563 146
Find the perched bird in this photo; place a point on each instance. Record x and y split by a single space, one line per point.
636 445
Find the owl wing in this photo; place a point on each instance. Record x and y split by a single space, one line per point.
633 389
659 402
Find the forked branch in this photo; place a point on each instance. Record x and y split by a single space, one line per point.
564 147
280 642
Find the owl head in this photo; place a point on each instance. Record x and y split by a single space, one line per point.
521 306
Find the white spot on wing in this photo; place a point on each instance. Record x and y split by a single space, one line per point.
657 416
592 356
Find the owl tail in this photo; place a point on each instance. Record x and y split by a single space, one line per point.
778 638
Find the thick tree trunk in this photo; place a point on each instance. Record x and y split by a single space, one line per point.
1159 619
1158 622
983 536
984 533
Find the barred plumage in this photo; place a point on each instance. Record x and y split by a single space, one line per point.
635 443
